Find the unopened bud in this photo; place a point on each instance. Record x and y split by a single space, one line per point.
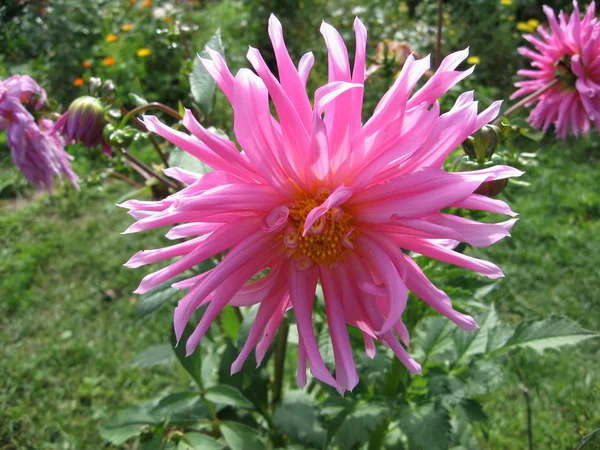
84 122
94 85
108 88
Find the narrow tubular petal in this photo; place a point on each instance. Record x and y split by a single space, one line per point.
225 237
396 289
345 368
271 329
358 75
302 287
245 253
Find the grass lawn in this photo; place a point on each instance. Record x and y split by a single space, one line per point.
68 328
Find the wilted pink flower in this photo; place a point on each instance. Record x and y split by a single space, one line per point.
37 154
569 51
84 122
318 196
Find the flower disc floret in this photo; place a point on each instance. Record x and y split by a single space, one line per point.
325 240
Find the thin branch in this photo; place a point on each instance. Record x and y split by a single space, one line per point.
438 44
140 125
148 169
526 100
527 402
124 178
146 107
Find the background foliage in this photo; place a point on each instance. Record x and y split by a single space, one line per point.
85 363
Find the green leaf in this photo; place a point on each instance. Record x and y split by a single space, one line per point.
179 158
228 395
193 363
202 84
431 431
469 343
126 424
157 297
241 437
231 323
432 338
297 417
358 425
553 332
199 441
154 356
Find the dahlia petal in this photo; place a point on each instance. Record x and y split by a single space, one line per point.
225 237
271 329
302 359
151 256
302 287
185 176
396 289
192 229
433 250
347 377
218 70
290 79
475 233
358 74
304 66
338 197
370 349
244 254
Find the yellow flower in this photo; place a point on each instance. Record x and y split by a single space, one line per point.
143 52
127 27
506 2
111 38
78 82
403 7
473 60
86 64
109 61
523 26
533 24
511 18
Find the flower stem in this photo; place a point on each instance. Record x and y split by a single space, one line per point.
280 362
139 124
124 178
526 100
438 43
148 169
153 105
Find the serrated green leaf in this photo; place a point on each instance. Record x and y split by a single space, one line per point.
297 417
154 356
228 395
157 297
473 410
475 342
183 160
241 437
553 332
199 441
193 363
360 422
202 85
432 337
431 431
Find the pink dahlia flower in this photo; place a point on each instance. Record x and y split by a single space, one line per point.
38 155
316 195
570 52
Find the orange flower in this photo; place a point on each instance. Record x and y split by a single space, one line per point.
78 82
109 61
111 38
143 52
147 3
86 64
127 27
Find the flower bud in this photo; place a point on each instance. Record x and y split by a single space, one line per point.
108 88
84 122
482 145
94 84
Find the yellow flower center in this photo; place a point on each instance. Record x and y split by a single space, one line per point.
325 240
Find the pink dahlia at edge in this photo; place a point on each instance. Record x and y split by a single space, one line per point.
39 155
316 196
570 52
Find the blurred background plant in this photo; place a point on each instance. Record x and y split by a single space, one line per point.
78 347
